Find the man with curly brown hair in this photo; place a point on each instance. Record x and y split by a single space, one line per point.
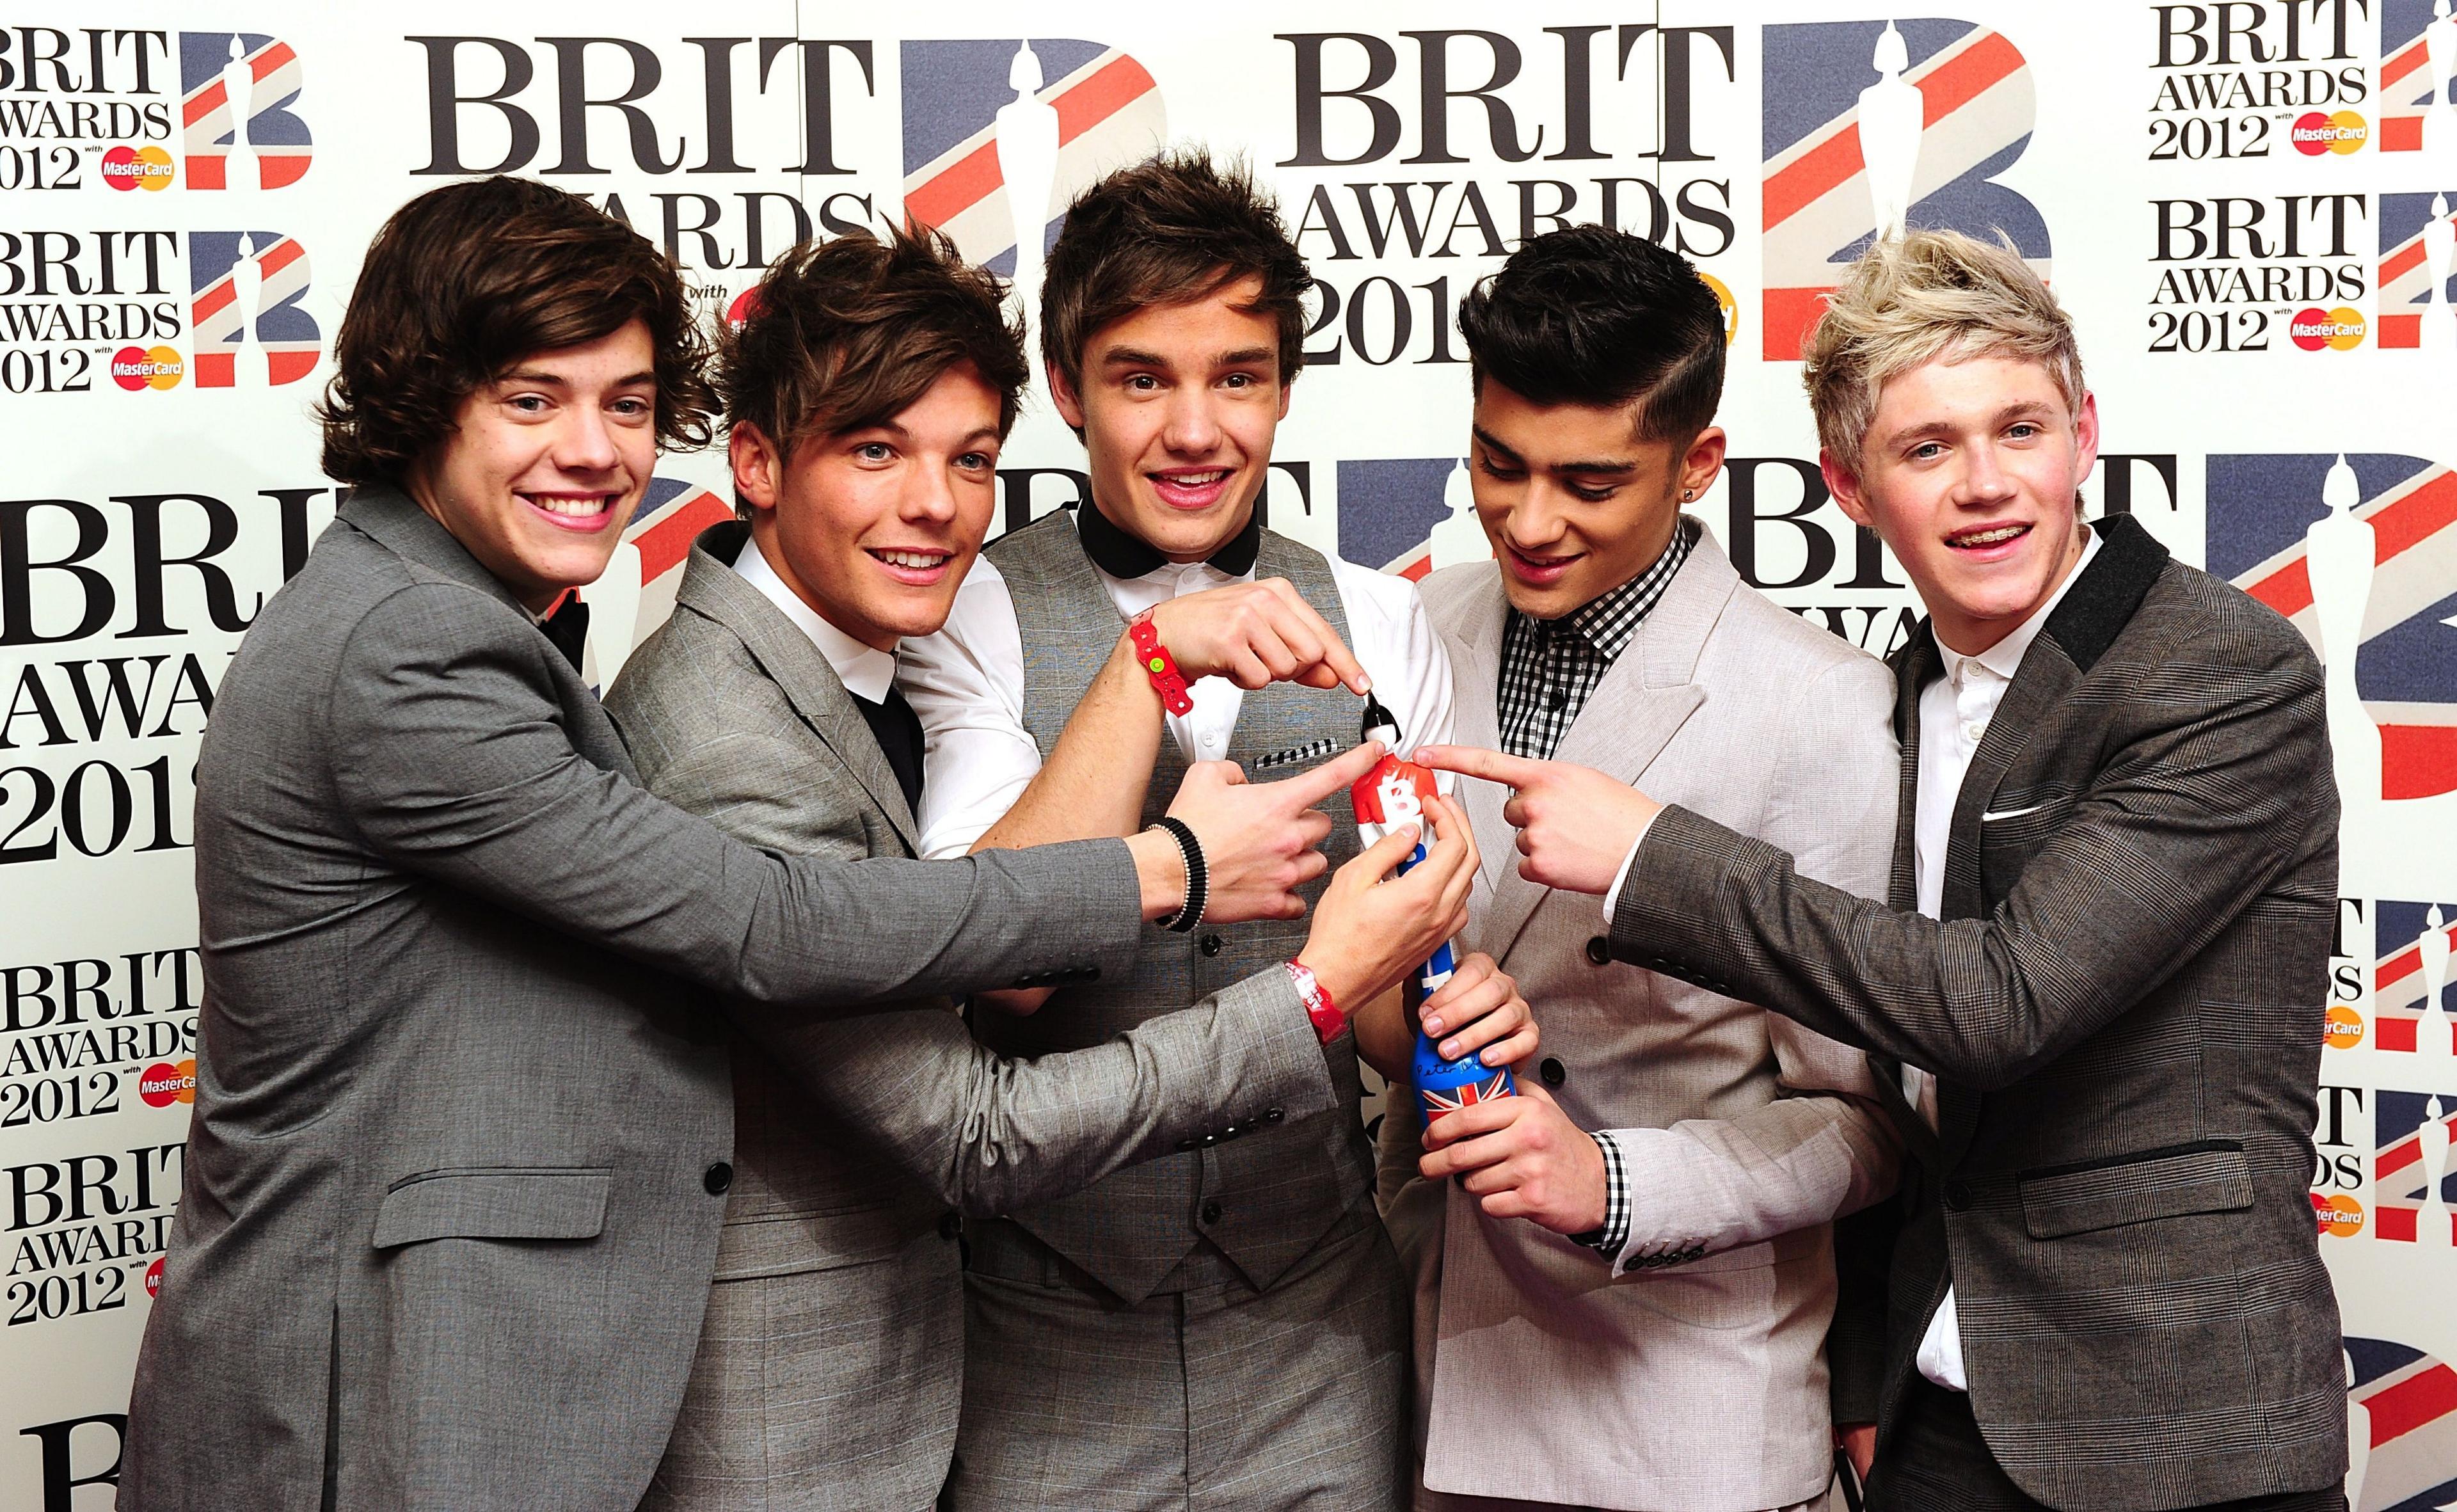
463 1127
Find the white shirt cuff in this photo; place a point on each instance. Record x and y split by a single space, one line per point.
1612 894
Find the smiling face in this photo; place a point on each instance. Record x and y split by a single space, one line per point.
1574 503
1970 471
546 463
874 527
1178 407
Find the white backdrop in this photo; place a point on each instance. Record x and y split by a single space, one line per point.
2236 200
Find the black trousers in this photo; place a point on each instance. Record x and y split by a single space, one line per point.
1936 1462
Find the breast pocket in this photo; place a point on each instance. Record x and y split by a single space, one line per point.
2210 1175
494 1202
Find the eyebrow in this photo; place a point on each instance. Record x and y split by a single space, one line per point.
1576 469
542 379
971 438
1136 357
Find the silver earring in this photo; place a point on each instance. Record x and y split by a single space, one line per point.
1686 494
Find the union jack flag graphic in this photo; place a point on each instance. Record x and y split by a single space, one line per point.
1976 114
2403 1408
2404 269
2405 90
1467 1094
1109 114
1388 508
2401 1180
2400 981
2258 508
284 332
210 120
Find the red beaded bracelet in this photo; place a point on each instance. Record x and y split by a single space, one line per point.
1158 665
1320 1011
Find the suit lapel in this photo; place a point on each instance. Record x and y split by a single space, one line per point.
393 518
710 586
1475 722
1645 696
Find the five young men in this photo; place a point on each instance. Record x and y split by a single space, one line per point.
429 876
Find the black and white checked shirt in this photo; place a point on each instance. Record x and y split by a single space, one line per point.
1549 670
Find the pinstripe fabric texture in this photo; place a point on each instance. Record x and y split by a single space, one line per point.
2122 1002
830 1365
1239 1223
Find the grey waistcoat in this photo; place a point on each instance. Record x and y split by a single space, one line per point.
1270 1195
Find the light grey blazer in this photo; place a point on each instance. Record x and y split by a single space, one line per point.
831 1364
451 1194
1689 1370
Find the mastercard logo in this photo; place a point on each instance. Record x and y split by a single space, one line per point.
148 168
2339 1216
2314 133
1723 300
153 1279
136 367
2344 1028
162 1083
2341 329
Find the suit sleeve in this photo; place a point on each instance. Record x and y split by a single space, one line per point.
1824 1145
452 764
986 1133
2215 778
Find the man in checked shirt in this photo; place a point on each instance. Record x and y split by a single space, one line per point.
1623 1299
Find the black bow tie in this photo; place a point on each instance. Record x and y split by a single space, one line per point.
1122 555
567 627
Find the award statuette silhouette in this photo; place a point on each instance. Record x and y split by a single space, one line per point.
2431 1140
2440 112
1459 538
2339 552
1026 135
1892 112
247 296
2438 260
240 170
2437 1034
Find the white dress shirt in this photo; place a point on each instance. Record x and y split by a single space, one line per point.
1954 714
866 672
966 684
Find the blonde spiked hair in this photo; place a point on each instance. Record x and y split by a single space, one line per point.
1919 297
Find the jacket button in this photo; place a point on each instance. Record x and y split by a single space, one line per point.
1210 944
1552 1071
718 1178
1273 1116
1957 1194
950 1225
1211 1212
1599 951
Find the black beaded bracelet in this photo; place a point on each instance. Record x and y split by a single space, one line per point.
1183 920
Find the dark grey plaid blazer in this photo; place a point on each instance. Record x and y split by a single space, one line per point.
2122 1003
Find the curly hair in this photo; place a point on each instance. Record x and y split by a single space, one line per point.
1168 231
464 281
1596 316
1917 297
847 333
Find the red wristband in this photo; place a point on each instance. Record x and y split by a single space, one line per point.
1320 1011
1158 665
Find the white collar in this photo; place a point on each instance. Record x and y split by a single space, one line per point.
2004 658
866 672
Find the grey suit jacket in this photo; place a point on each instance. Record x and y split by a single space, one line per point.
451 1193
1748 1134
732 713
2122 1003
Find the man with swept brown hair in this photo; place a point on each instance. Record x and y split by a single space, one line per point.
868 393
1225 1325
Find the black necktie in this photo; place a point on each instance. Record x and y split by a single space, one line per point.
897 729
567 627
